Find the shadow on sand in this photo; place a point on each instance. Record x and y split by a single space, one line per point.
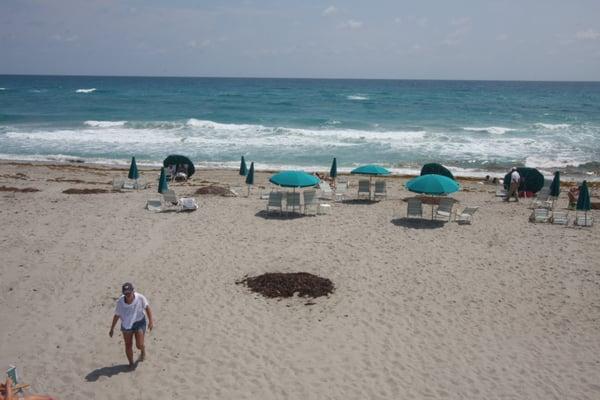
282 216
359 201
416 223
109 371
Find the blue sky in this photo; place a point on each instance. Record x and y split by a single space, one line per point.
479 39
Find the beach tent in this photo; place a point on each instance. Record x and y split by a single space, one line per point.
437 169
532 180
177 160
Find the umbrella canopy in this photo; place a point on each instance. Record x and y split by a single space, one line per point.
435 168
532 180
250 176
333 170
243 168
163 186
294 179
133 171
370 169
432 184
175 159
583 201
555 185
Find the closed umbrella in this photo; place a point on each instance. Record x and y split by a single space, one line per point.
133 170
243 168
163 186
333 170
583 201
250 177
555 187
433 185
371 170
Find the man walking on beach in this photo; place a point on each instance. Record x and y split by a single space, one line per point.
515 178
130 309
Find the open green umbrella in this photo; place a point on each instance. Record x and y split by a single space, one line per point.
163 186
250 177
333 170
435 168
555 187
432 184
294 179
583 201
243 168
371 170
133 170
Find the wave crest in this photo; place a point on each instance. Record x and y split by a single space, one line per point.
495 130
357 97
552 127
104 124
90 90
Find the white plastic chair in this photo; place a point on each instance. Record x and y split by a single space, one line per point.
341 188
540 215
275 201
118 183
188 204
154 205
292 201
444 209
542 199
584 219
560 218
326 192
380 190
414 208
311 203
364 187
466 215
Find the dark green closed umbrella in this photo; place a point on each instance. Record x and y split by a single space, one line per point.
133 170
583 201
163 186
555 187
333 170
250 177
243 168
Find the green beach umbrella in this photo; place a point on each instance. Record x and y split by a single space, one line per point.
333 170
371 169
555 187
163 186
294 179
435 168
432 184
133 170
250 177
583 201
243 168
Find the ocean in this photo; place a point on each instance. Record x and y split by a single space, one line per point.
473 127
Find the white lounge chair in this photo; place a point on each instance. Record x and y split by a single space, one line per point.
414 208
444 209
540 215
500 191
364 188
311 202
466 215
118 182
341 188
542 199
560 218
154 205
584 219
380 190
188 204
326 192
275 201
292 201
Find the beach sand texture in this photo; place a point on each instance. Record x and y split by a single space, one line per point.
500 309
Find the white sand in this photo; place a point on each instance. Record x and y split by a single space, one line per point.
500 309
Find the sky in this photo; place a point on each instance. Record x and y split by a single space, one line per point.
379 39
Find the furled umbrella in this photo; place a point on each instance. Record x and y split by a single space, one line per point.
133 170
433 185
163 186
555 187
250 177
370 170
333 170
243 168
583 201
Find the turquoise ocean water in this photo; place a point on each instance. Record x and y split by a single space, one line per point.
472 127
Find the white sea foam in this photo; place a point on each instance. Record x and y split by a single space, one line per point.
104 124
495 130
2 88
552 126
91 90
357 97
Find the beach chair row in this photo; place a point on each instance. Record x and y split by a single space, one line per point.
544 215
171 202
444 211
306 202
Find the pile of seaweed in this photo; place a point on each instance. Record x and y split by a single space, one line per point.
279 284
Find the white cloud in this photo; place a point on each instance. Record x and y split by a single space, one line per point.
502 37
588 34
331 10
195 44
460 21
352 24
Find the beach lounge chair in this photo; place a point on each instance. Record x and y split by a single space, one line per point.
540 215
414 208
326 192
584 219
444 209
341 188
275 201
364 188
311 203
466 215
170 199
560 218
542 199
500 191
380 190
188 204
154 205
292 201
117 183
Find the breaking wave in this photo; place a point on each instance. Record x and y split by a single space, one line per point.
91 90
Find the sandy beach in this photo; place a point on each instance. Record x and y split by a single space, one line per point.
499 309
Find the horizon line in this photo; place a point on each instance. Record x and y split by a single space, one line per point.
299 78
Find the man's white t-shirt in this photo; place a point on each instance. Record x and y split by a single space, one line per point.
131 313
515 177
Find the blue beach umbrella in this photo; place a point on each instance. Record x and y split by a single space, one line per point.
163 186
333 170
133 170
294 179
432 184
370 169
243 168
